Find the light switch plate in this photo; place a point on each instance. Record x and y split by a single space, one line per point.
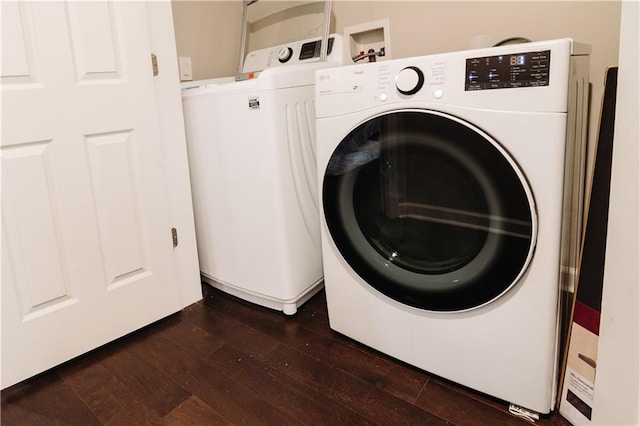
184 63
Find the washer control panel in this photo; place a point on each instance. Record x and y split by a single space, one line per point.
311 49
300 52
528 69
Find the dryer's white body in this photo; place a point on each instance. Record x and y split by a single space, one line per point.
251 148
508 347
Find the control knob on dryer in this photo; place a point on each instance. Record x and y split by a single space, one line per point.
284 54
409 80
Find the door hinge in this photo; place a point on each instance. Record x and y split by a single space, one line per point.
154 64
174 237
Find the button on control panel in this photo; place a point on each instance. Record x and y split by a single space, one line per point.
437 93
284 54
409 80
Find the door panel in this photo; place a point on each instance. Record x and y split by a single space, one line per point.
95 41
30 201
87 250
18 50
118 214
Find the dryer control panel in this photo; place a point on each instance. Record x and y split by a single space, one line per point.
528 69
470 78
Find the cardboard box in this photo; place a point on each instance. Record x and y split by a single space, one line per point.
578 383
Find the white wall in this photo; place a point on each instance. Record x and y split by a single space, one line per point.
209 31
617 385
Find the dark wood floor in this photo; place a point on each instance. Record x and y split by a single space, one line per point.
225 361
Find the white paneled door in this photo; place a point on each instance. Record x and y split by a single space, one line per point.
87 253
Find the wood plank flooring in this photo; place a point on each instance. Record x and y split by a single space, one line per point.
224 361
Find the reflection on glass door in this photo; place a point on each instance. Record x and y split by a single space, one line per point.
429 210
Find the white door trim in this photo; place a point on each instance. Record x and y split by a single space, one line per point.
174 145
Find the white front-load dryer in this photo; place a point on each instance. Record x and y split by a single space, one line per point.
450 189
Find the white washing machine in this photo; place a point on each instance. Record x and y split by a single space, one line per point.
443 183
251 147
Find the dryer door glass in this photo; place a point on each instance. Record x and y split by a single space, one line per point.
429 210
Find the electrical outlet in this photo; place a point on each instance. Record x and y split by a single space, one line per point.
184 63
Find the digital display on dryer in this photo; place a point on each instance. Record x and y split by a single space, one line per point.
529 69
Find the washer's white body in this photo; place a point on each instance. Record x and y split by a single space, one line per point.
507 347
251 152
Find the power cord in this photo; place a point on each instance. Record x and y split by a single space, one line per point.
512 40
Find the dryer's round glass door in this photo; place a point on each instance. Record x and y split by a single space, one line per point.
429 210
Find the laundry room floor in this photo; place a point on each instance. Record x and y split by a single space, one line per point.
225 361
